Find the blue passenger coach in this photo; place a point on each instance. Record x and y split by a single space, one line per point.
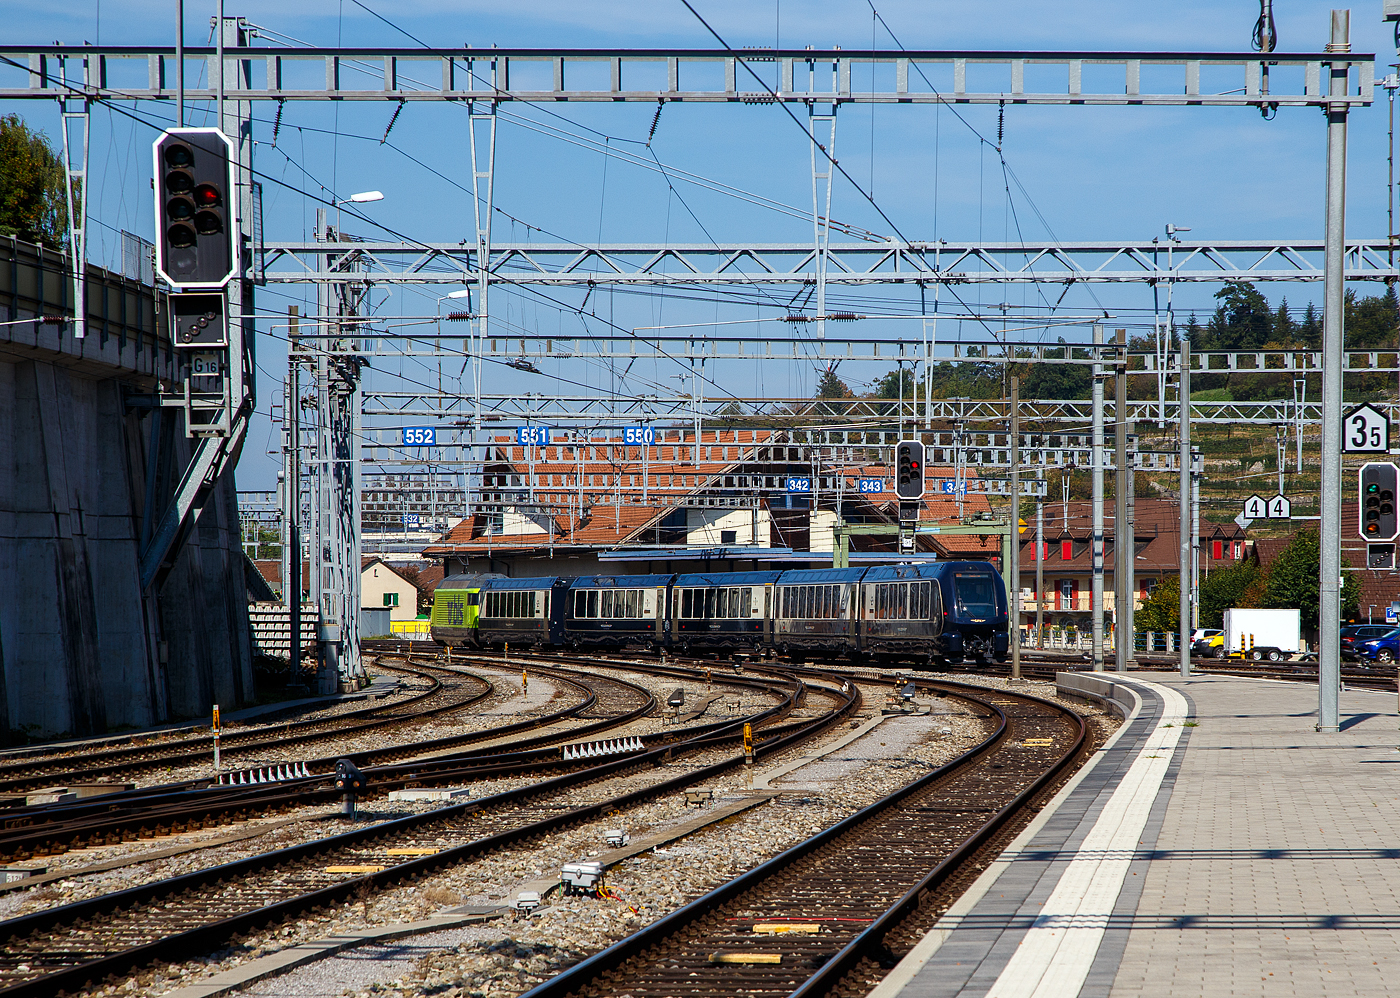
949 610
721 609
522 611
616 610
818 610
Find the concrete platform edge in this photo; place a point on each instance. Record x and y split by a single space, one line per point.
923 951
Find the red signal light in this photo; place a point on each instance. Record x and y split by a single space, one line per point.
207 196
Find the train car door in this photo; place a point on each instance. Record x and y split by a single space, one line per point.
768 613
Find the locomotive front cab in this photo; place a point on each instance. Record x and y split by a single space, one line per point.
976 598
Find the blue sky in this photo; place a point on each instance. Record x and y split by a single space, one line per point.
1087 172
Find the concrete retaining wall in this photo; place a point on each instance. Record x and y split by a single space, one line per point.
1099 688
82 648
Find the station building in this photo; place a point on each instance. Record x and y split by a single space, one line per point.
1067 560
716 506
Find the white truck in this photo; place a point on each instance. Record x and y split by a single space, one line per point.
1262 634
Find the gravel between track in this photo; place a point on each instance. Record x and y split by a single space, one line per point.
509 956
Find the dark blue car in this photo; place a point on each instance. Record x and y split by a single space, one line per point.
1383 647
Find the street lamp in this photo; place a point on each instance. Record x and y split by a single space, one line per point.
362 197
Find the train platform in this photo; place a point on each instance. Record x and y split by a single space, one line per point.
1218 845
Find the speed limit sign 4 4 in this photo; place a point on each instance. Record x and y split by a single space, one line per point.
1365 430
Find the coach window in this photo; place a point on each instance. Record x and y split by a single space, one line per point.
580 604
592 603
746 603
722 603
881 601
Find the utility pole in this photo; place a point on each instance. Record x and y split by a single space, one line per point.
1197 467
291 498
1183 564
1014 568
1040 570
1122 530
1333 319
1096 540
1127 616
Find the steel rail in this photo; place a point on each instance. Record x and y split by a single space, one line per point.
83 976
577 978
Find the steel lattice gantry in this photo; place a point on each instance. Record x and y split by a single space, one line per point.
750 76
1334 81
850 264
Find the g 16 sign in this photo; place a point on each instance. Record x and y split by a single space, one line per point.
532 436
870 486
420 436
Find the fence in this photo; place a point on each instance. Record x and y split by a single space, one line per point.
1076 639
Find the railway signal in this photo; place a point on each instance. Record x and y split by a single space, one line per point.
195 221
1378 483
909 469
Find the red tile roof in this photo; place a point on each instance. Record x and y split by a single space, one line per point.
672 473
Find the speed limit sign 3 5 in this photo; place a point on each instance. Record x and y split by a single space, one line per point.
1365 430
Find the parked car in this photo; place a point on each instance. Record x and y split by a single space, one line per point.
1353 637
1208 642
1382 648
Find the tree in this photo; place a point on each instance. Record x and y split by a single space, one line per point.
1285 329
1293 578
1310 330
832 387
32 203
1161 612
1224 589
1242 321
896 384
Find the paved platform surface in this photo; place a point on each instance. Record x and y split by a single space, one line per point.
1239 853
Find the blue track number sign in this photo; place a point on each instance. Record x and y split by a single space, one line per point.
420 436
532 436
638 436
799 484
870 485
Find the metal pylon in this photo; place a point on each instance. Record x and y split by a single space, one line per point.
75 114
822 129
335 466
481 128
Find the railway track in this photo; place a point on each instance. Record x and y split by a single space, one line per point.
71 948
138 814
141 814
843 897
448 692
